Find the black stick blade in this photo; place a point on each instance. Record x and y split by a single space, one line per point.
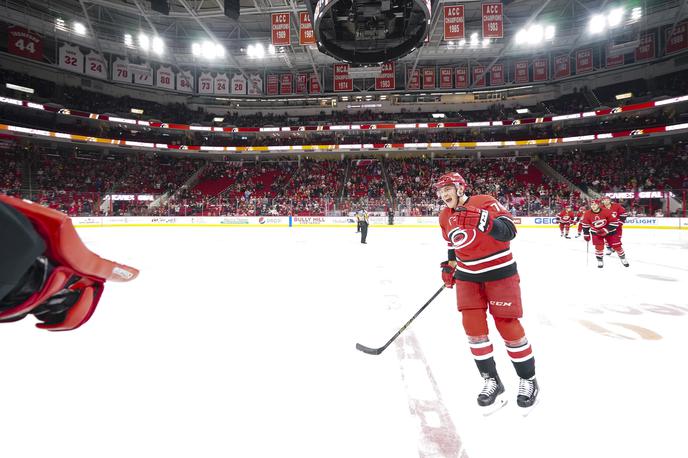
368 350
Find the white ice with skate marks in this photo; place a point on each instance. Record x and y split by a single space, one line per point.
240 342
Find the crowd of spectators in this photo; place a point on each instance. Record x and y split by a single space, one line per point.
79 182
10 172
586 126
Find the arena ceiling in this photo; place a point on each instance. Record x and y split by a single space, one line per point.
191 21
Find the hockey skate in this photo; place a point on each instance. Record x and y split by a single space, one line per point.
567 236
609 251
527 395
491 398
600 263
578 235
624 261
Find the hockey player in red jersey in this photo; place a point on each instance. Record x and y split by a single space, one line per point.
46 270
480 263
565 219
602 225
618 212
579 220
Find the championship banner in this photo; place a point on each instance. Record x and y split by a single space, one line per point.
120 71
521 72
583 60
461 78
184 81
306 35
164 77
540 72
221 86
614 61
96 66
342 82
302 83
206 84
255 86
562 66
678 41
315 84
238 84
71 58
429 79
143 74
446 80
281 29
272 84
22 42
286 84
454 26
387 79
479 76
493 20
412 80
646 48
497 75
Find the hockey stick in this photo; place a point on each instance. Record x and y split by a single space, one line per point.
587 253
377 351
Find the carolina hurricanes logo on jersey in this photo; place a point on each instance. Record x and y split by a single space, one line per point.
461 237
598 223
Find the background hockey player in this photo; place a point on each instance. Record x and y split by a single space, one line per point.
565 219
601 225
579 219
45 269
478 230
618 212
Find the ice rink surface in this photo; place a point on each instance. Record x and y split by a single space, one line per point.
239 342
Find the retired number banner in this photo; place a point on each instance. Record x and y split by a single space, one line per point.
24 43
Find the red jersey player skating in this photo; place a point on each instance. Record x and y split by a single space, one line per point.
618 212
478 230
565 218
603 226
579 220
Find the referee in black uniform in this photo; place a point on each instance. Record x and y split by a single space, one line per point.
364 225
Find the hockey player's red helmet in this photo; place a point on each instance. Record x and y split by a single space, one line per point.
449 179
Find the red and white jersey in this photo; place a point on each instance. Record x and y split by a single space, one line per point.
602 219
579 215
479 256
617 212
565 217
